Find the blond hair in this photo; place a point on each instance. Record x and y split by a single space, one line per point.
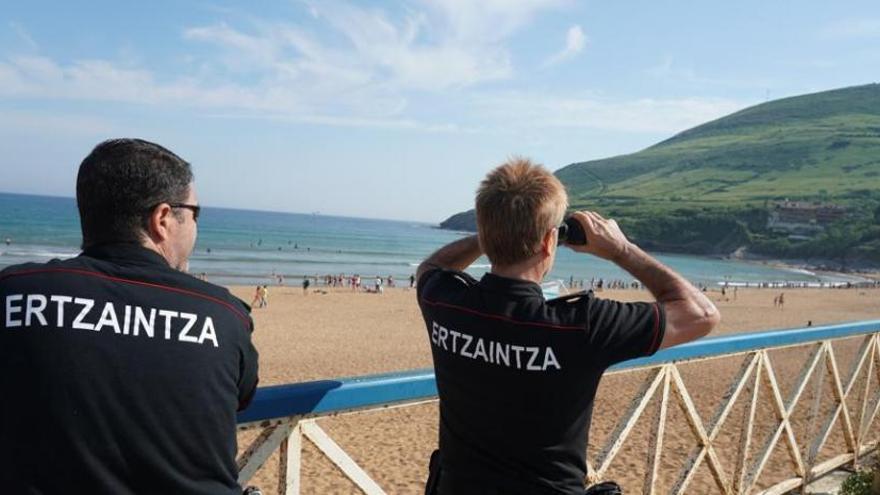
517 203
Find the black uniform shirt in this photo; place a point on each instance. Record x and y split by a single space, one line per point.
517 376
120 375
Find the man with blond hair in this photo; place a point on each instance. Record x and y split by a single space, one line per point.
517 374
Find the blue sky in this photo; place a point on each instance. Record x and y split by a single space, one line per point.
396 109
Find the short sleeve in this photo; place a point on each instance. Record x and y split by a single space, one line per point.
619 331
248 367
424 278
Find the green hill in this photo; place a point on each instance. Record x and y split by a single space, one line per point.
711 189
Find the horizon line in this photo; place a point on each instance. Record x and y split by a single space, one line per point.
313 213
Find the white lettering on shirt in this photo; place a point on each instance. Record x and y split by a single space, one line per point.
184 333
480 350
140 320
533 354
126 322
59 308
10 309
35 305
168 315
467 342
208 332
35 310
87 305
529 358
517 349
550 359
454 340
108 318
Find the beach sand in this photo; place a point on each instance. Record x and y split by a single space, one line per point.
340 333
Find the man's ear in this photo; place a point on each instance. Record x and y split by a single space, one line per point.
157 226
549 242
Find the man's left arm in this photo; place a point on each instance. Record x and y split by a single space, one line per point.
248 368
456 255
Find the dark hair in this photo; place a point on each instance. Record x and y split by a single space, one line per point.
120 182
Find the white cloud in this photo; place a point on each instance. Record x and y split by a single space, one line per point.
575 40
101 80
246 50
853 28
346 64
361 67
355 122
23 35
44 124
440 45
405 55
486 21
645 115
673 72
443 45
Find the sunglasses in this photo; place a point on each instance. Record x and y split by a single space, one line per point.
196 209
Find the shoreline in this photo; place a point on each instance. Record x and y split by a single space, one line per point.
818 271
865 275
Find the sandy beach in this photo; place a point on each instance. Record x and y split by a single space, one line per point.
340 333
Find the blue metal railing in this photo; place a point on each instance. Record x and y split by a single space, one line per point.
329 396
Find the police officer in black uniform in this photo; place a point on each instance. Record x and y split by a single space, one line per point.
122 374
517 374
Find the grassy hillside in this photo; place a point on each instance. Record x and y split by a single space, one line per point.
709 189
819 146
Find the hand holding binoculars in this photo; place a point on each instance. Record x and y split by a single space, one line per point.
572 232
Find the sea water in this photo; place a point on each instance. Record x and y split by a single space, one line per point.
252 247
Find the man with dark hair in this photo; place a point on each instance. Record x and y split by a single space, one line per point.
123 374
517 374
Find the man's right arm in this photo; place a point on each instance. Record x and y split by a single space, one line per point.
456 255
689 313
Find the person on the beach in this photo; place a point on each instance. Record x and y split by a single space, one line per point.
255 303
121 373
305 286
264 296
378 284
517 374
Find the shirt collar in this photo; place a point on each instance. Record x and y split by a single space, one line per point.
512 286
125 252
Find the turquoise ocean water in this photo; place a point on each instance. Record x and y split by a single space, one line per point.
248 247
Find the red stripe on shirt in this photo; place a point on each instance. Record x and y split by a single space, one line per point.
500 317
654 343
74 271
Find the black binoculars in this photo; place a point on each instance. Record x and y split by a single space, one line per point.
572 232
